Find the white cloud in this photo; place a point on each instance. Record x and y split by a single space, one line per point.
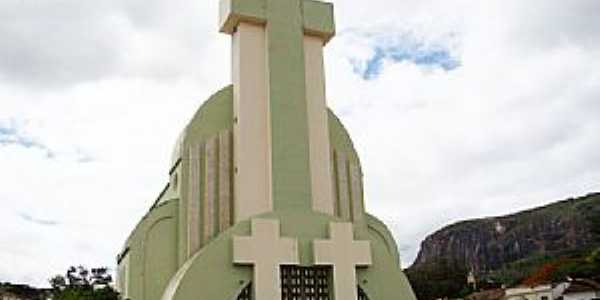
513 127
107 86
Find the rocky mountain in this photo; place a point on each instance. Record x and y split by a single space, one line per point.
507 249
490 243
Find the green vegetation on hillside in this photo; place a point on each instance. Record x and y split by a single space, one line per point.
438 279
9 290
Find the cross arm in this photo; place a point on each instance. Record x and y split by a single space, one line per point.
244 250
318 19
324 252
317 16
362 253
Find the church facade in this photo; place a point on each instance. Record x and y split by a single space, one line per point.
265 196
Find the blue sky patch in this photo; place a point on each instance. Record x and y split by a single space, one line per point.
4 131
10 135
31 219
403 47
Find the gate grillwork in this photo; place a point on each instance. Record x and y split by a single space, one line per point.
361 294
302 283
246 293
305 283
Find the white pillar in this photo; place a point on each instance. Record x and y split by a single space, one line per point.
318 129
344 254
252 150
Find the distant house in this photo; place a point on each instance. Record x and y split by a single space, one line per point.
539 292
576 289
582 289
493 294
8 296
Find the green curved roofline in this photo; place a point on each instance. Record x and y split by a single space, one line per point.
216 114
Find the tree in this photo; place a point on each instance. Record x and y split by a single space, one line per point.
79 283
58 282
594 257
100 276
439 279
543 274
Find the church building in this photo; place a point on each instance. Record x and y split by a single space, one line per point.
265 192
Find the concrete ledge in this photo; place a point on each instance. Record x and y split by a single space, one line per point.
319 19
232 12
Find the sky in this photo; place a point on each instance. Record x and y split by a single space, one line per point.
458 109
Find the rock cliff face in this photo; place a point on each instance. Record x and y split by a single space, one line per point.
490 243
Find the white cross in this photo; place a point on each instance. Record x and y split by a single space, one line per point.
344 254
266 250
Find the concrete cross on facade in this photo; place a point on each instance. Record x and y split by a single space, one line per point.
281 137
344 254
266 251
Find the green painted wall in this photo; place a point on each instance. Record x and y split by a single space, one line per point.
160 257
287 103
154 237
340 139
215 115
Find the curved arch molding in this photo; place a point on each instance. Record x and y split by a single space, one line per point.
211 273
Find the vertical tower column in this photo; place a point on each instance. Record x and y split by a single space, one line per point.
279 92
287 100
251 131
318 129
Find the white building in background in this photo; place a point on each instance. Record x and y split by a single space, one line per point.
578 289
539 292
582 289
